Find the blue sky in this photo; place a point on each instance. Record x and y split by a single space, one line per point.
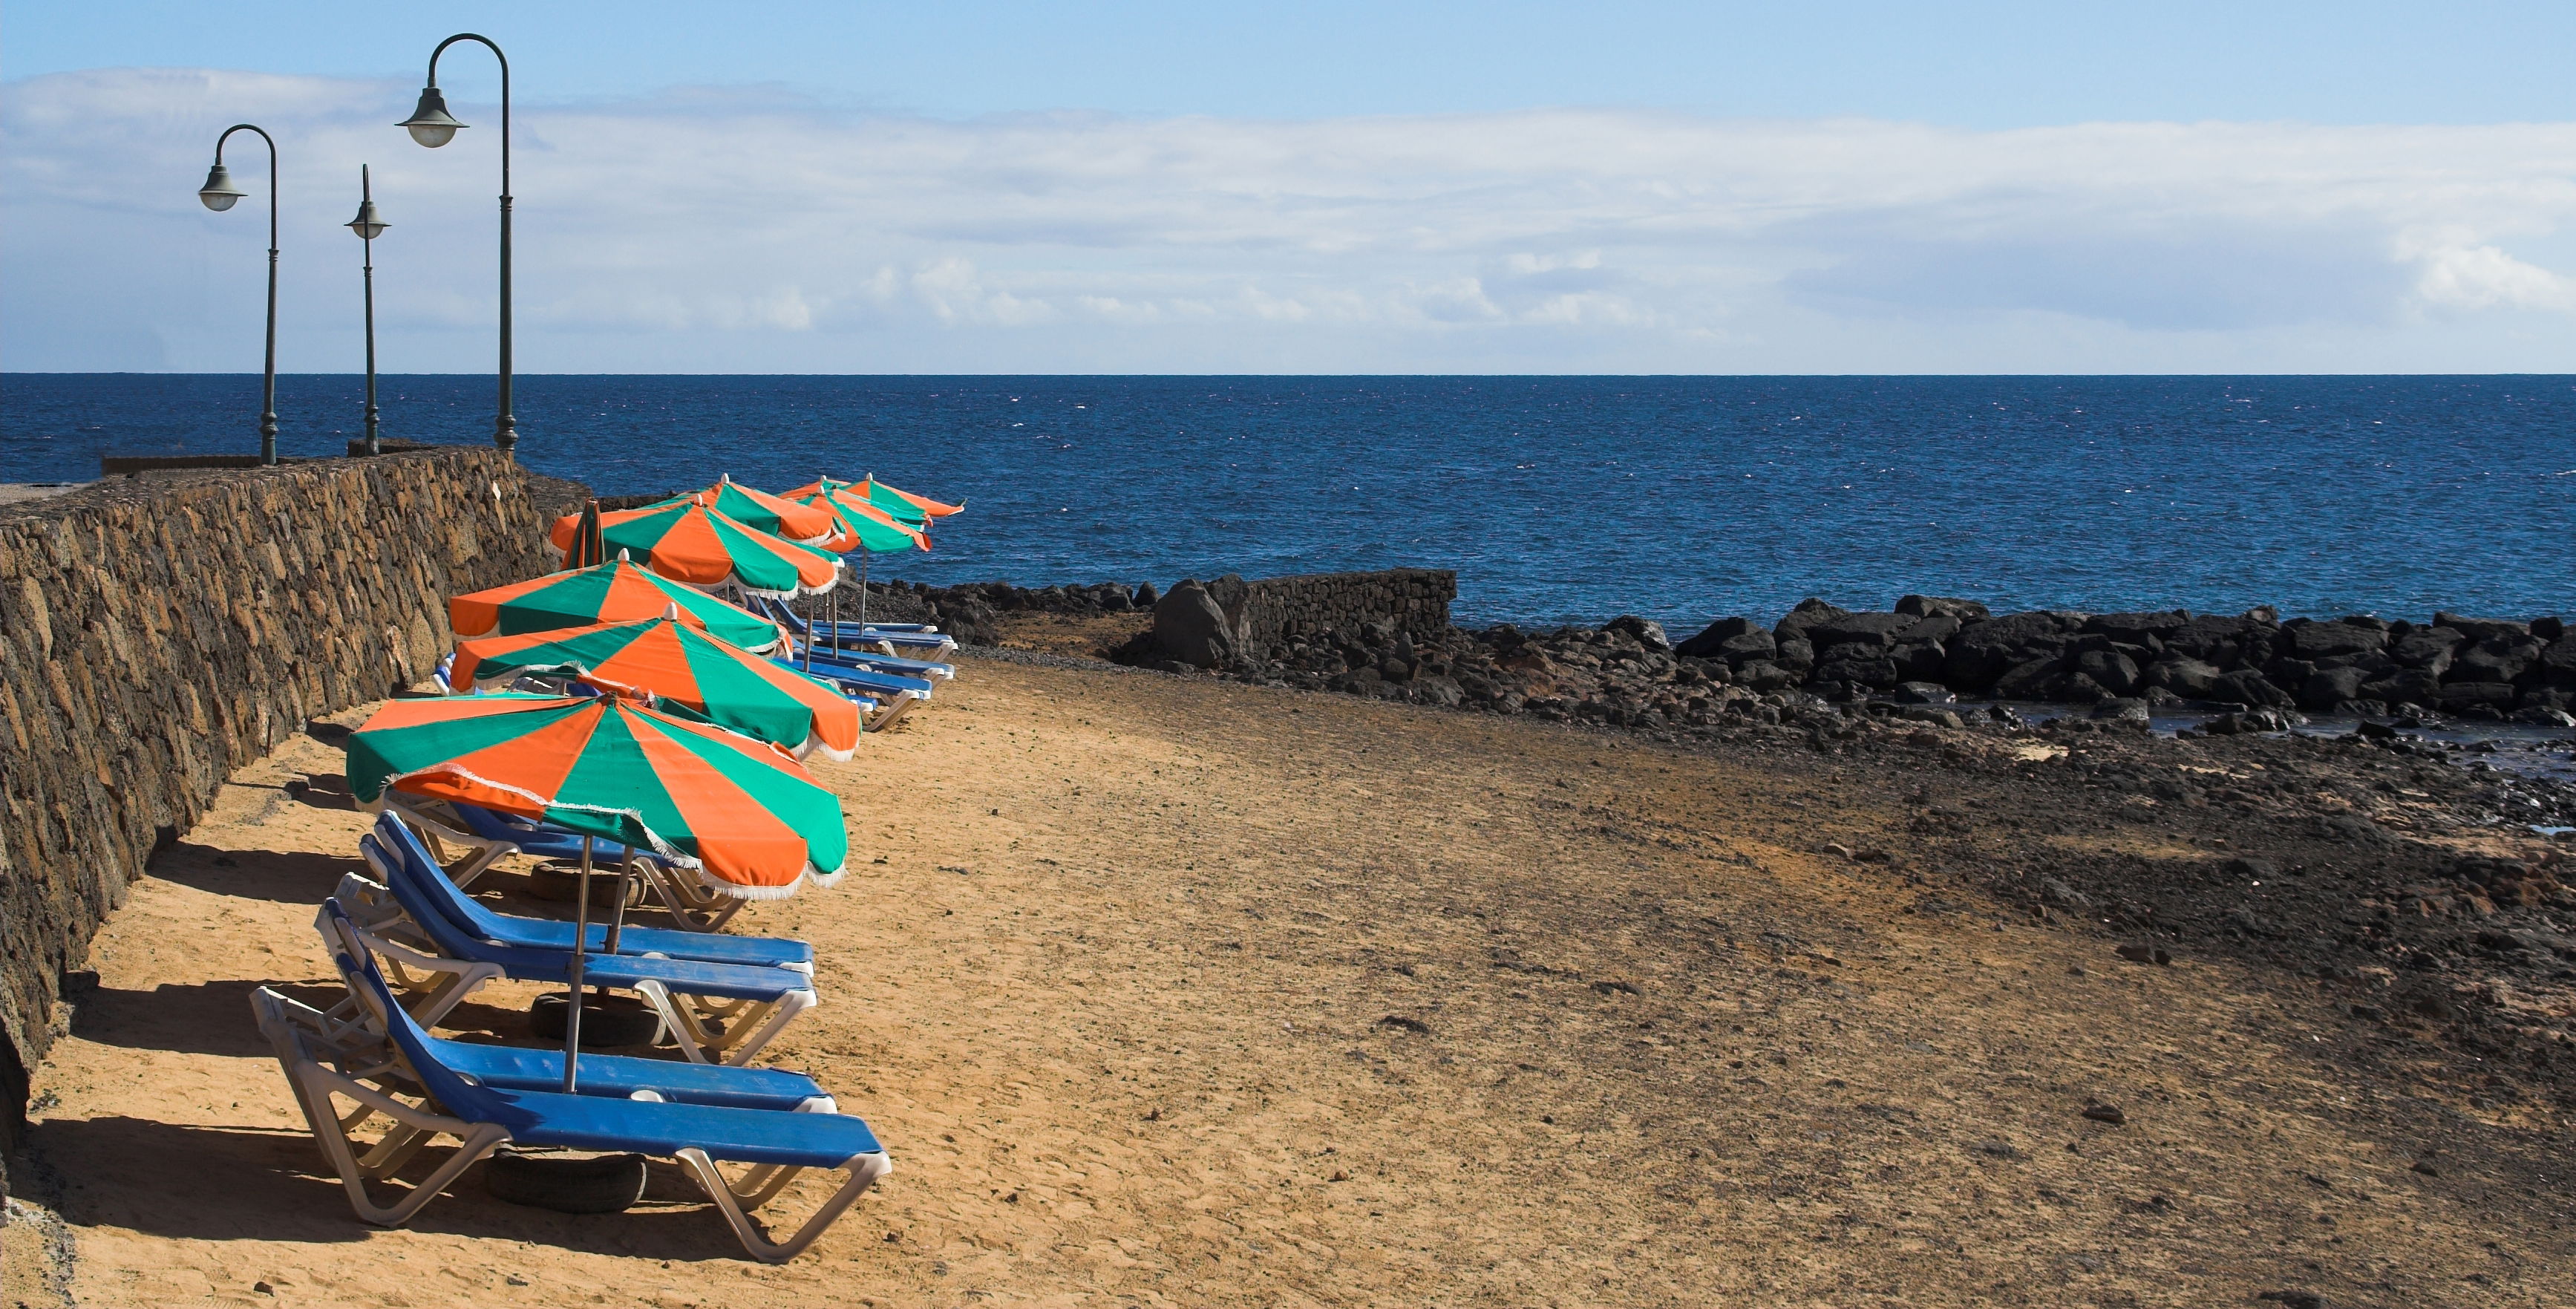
1324 187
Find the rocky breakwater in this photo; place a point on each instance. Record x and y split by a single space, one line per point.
1930 653
1929 648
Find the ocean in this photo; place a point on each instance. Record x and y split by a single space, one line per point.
1557 499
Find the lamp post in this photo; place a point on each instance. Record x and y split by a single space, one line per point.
369 226
432 126
220 194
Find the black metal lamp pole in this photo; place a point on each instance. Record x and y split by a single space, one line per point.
219 194
369 226
432 126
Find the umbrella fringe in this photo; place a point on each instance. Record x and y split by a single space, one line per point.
740 892
668 852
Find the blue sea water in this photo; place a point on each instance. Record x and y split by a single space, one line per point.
1555 498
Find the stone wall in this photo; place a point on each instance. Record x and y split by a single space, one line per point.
158 633
1230 620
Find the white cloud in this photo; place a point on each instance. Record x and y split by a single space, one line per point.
722 231
2484 277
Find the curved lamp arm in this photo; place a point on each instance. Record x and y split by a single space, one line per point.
268 383
432 115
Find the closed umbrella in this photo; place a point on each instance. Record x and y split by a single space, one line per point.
730 686
587 549
618 591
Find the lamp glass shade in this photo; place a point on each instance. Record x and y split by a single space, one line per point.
219 193
430 123
368 224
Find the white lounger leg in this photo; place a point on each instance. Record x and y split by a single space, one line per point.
864 1170
475 1141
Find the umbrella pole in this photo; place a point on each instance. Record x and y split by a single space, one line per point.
580 938
863 593
836 622
617 914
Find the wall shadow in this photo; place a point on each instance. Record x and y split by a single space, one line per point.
289 877
183 1018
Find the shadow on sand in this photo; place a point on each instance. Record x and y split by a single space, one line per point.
211 1183
288 878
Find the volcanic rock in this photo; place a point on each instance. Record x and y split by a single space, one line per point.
1942 606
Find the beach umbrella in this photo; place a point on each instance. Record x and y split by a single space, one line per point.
750 820
692 541
777 515
587 550
903 506
677 663
744 814
614 592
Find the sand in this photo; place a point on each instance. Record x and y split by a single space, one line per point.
1172 992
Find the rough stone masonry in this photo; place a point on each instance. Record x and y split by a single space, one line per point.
157 634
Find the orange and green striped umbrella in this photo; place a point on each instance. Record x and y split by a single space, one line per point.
615 592
751 820
731 686
778 515
694 542
903 506
863 526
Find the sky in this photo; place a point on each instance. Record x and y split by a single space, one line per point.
1160 188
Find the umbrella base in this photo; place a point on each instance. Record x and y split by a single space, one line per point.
607 1023
572 1184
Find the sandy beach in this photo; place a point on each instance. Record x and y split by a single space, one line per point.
1166 991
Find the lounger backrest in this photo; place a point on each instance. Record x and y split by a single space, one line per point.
461 1098
418 868
426 913
344 930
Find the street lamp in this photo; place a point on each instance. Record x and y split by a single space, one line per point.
432 126
368 225
220 194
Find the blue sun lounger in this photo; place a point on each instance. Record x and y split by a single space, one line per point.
409 865
896 693
733 1009
360 1043
923 640
493 836
483 1117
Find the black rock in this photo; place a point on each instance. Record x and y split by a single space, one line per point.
2496 659
2481 628
1867 629
2137 629
2109 669
2329 687
2248 687
2036 679
1809 612
1942 606
2549 629
2319 640
1925 693
1708 644
1647 631
1190 628
1146 595
2183 675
